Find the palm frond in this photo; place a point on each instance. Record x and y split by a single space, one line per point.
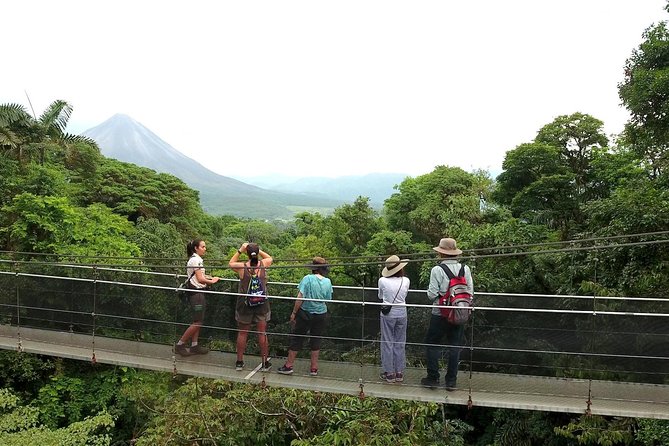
8 138
56 116
69 138
13 113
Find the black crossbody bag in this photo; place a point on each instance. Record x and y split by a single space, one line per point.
385 309
181 291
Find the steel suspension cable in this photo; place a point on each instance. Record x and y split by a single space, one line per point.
95 288
426 256
18 307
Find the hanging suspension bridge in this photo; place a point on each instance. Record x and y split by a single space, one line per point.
575 354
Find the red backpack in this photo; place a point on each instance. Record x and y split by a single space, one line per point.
458 296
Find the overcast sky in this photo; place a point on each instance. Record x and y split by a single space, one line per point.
314 88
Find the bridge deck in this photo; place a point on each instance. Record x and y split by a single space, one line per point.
488 389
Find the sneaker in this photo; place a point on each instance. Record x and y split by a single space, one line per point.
285 370
182 350
239 365
451 387
387 377
199 350
399 377
429 382
266 366
313 372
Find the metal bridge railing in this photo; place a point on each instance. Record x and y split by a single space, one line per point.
612 338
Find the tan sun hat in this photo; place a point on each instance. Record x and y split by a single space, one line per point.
393 264
447 246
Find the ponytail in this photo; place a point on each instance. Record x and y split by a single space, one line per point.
190 246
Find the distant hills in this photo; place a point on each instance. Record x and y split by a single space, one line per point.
268 197
125 139
377 186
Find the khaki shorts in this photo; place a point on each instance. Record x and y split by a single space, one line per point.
251 315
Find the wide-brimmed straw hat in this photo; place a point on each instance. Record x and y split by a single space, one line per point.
393 264
448 246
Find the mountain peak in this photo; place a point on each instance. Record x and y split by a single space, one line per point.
123 138
118 119
121 117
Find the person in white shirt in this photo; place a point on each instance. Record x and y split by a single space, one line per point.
393 290
197 280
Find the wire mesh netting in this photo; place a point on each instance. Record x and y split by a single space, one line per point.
553 336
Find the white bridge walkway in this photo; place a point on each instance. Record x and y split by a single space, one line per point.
485 389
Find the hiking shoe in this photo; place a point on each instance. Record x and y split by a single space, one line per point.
199 350
266 366
285 370
313 372
399 377
387 377
429 382
239 365
182 350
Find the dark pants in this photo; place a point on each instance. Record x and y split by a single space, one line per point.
311 323
439 327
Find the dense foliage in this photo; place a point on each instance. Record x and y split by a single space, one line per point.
60 197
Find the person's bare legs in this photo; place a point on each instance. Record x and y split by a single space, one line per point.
292 354
242 338
192 333
262 339
314 359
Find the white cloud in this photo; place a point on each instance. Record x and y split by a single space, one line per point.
327 88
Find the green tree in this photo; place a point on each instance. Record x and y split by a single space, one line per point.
220 412
523 166
136 192
20 426
24 373
158 240
611 169
351 226
652 432
99 232
549 200
307 223
596 430
14 122
42 180
39 224
645 93
577 136
20 132
635 270
546 181
442 202
348 230
50 224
